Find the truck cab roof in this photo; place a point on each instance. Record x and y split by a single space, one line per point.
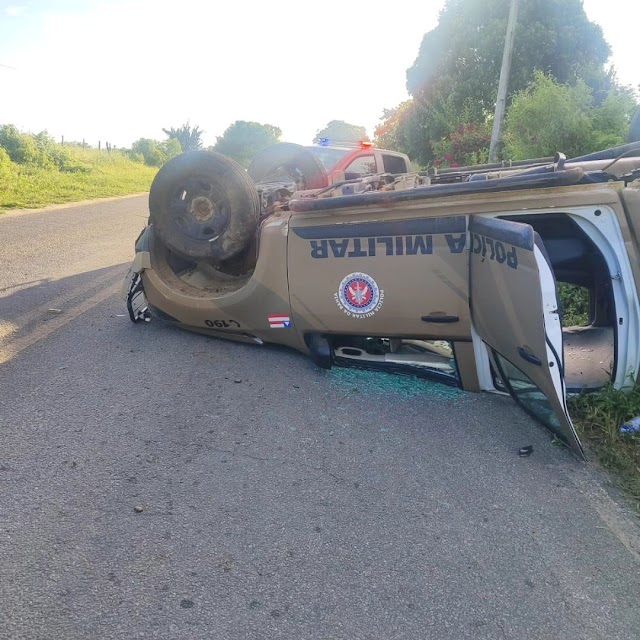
349 161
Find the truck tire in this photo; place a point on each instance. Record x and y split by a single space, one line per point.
293 160
204 206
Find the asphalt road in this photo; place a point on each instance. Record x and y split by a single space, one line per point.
278 500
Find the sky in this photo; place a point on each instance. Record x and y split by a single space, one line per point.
118 70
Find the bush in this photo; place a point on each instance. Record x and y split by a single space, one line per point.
20 147
575 304
611 120
5 163
597 417
50 154
39 150
155 153
469 144
549 117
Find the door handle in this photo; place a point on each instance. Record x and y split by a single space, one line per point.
529 357
440 319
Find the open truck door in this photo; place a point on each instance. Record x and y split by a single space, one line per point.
514 309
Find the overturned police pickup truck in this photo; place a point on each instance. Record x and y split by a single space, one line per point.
449 275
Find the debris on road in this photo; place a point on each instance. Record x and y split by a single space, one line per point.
631 426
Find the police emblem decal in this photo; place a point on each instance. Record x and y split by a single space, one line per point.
359 295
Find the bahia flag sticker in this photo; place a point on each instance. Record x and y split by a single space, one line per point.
277 321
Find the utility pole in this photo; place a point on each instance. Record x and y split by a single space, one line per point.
501 100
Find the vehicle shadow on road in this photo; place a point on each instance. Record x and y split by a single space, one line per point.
25 301
37 309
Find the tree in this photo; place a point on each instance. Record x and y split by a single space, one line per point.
468 145
454 78
155 153
464 52
189 137
612 120
342 131
412 128
389 134
243 140
549 116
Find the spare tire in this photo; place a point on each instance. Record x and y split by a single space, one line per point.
292 160
204 206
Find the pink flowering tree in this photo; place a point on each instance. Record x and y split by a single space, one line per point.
467 145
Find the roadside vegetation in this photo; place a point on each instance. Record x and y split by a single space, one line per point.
562 97
599 415
598 418
574 301
36 171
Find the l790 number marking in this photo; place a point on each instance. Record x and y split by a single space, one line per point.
222 324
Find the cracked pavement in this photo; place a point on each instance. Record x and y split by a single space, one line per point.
146 494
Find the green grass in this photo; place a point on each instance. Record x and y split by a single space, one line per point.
575 304
89 174
597 417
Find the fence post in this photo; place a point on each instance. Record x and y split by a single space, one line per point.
98 145
62 141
